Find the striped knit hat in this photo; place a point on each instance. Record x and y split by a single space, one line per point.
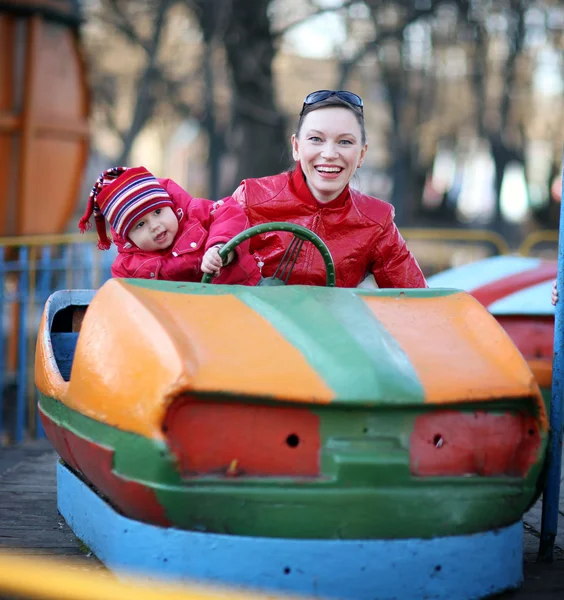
120 196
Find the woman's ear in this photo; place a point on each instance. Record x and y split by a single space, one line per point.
295 148
362 156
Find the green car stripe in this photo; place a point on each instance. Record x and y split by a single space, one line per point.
336 333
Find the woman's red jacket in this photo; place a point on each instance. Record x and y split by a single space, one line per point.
358 229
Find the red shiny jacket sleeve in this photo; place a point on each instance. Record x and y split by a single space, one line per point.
240 196
227 219
223 219
394 266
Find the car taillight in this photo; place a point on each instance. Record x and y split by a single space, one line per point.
477 443
211 437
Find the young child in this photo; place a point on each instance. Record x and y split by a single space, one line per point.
161 232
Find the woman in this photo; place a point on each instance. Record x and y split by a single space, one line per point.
328 146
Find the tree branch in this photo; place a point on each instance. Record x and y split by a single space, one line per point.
347 66
145 102
511 64
320 11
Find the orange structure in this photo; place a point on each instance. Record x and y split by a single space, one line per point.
44 109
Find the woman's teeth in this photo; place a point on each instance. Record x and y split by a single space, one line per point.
329 169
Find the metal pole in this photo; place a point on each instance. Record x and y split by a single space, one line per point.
2 321
23 310
45 275
549 524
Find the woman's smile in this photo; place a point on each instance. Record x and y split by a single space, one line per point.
329 172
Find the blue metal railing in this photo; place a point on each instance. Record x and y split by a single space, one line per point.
31 268
2 345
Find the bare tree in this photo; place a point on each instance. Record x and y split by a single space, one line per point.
409 93
258 128
240 29
213 19
229 87
142 25
493 92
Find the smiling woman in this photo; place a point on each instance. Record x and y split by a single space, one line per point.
328 146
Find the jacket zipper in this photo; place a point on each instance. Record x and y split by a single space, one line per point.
315 222
310 250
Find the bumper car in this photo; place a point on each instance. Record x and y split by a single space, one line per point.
335 442
516 290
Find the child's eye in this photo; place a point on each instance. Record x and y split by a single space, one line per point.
140 224
158 211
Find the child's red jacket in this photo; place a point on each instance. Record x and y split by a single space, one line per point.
202 224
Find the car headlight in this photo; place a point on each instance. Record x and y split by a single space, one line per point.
450 443
213 437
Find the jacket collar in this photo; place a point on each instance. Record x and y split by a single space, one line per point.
299 186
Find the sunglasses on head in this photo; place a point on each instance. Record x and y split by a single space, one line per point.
321 95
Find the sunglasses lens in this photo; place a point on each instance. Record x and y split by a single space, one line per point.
318 96
350 98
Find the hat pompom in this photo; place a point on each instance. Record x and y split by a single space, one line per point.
104 245
84 224
104 242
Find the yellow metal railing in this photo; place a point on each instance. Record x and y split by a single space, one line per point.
48 240
538 237
483 236
439 249
458 235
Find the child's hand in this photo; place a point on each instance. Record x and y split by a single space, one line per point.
554 298
211 262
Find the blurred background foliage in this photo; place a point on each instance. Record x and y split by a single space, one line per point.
463 99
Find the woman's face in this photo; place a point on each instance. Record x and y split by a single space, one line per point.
329 148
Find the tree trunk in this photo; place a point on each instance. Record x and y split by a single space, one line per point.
146 95
258 133
400 157
209 21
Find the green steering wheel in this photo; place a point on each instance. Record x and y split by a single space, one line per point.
284 268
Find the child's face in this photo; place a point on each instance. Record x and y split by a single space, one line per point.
155 230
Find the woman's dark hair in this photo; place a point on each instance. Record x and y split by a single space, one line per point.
333 101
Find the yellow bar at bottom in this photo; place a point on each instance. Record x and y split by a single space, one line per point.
53 579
